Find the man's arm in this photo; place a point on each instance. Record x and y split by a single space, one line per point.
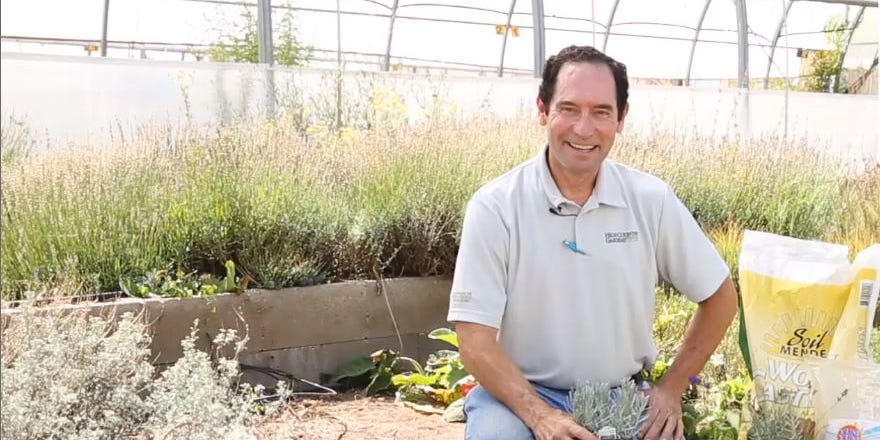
486 361
708 326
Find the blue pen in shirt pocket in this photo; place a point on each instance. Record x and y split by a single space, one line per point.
573 247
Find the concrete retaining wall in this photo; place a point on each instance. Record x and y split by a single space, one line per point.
305 331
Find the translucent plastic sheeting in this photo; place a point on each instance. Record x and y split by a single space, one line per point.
67 98
863 46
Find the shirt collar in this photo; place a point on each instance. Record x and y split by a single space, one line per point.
608 189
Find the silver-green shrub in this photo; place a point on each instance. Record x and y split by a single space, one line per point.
194 399
779 422
598 407
72 377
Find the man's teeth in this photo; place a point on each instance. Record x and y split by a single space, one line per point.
582 147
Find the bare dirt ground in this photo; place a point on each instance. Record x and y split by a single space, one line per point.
351 416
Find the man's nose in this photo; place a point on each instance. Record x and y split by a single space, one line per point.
584 126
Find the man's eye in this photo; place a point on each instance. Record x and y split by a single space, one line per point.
568 110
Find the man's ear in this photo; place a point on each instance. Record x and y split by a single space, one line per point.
622 118
542 111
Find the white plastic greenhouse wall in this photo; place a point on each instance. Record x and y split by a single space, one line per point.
64 99
451 49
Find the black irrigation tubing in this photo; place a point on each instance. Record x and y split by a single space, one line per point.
283 375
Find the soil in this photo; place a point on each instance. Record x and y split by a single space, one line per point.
352 416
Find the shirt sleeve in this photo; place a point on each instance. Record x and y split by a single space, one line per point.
685 256
479 292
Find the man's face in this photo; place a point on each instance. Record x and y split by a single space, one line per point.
581 118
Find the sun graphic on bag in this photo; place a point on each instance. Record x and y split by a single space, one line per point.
801 333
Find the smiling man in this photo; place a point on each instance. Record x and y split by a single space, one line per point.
558 263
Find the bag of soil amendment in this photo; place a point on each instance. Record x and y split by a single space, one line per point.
852 338
794 293
847 383
846 399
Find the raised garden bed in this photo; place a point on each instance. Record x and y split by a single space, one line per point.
304 331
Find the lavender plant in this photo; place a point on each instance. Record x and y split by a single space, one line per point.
609 412
293 206
773 421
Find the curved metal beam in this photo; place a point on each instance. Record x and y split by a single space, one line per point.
775 41
849 36
386 64
504 41
862 3
377 3
857 84
608 25
538 19
687 79
441 5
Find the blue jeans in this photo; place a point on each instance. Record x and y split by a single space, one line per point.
489 419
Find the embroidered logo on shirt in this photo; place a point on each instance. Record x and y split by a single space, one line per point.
621 237
461 297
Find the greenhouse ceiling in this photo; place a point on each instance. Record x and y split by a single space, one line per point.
686 42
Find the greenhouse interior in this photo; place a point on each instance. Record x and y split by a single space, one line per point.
259 207
801 69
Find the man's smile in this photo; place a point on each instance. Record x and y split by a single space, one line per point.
582 147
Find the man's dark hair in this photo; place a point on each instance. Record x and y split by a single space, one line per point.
578 54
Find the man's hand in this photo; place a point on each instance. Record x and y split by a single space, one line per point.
664 415
559 425
703 335
484 358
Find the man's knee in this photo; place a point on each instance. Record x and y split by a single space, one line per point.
489 419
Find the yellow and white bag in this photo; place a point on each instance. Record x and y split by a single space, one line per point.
852 338
794 294
846 399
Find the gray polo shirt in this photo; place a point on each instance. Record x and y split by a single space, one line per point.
572 291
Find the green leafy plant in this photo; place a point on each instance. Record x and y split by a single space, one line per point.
691 418
374 372
825 65
178 284
721 414
657 370
241 45
709 411
441 382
